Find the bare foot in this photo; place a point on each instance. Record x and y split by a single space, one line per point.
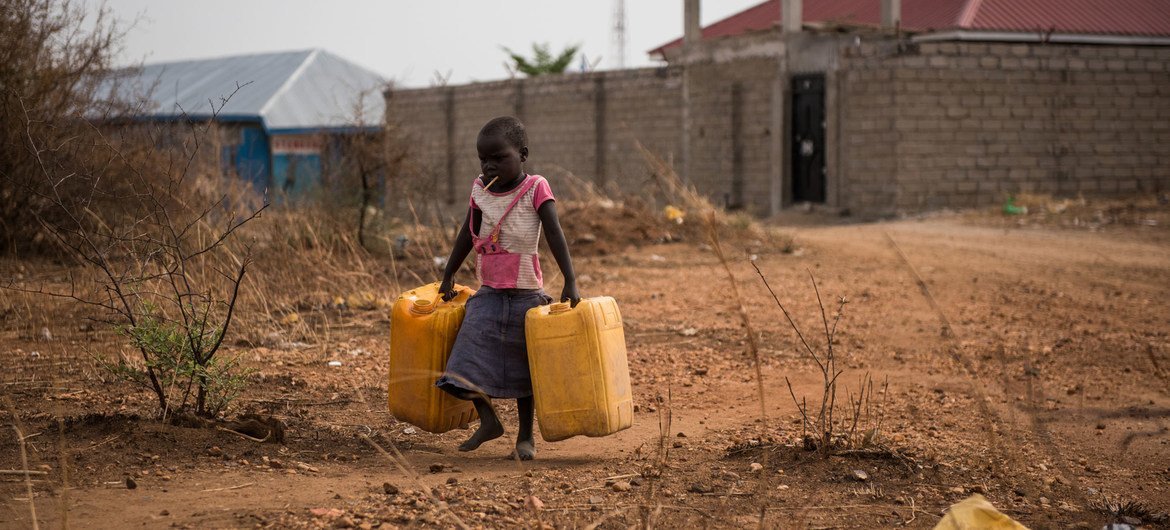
525 449
486 431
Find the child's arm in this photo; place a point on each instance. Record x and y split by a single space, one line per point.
459 253
560 250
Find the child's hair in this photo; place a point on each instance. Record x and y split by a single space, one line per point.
509 128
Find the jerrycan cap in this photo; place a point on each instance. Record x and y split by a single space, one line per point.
422 306
559 307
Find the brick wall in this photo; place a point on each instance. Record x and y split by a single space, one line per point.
583 124
966 124
910 127
732 131
588 125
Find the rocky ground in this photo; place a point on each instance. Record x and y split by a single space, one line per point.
1031 365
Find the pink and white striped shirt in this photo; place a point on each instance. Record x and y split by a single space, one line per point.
519 234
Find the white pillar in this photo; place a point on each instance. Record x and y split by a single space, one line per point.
891 14
792 13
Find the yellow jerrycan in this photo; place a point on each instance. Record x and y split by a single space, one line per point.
580 375
422 332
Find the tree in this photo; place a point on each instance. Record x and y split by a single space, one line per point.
542 61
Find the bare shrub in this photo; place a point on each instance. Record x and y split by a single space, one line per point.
830 430
52 56
150 230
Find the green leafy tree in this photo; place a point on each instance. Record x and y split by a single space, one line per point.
542 61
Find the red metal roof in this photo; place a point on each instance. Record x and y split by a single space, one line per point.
1114 17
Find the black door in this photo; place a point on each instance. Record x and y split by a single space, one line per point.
808 138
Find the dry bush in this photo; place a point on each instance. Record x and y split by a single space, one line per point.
52 56
149 231
833 429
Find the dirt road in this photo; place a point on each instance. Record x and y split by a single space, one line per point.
1039 377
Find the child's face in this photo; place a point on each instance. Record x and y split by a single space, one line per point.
497 157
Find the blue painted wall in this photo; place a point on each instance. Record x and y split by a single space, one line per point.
296 174
253 157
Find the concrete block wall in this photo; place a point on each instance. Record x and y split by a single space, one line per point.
867 154
644 109
589 125
732 131
972 123
910 126
584 124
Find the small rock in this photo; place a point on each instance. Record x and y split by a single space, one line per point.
859 475
326 512
1043 501
700 371
689 332
782 487
534 503
215 451
756 467
275 464
959 490
46 334
699 487
1100 426
409 430
131 484
678 445
621 486
164 513
389 489
306 467
437 467
596 500
452 480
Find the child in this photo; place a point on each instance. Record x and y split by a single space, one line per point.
507 210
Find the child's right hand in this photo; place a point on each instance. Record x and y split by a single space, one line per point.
447 290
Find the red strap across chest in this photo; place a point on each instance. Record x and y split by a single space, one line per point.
528 183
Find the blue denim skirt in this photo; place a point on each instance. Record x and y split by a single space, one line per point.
490 354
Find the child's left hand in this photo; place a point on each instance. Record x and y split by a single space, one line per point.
570 294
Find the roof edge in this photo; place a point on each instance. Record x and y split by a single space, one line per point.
1043 37
292 78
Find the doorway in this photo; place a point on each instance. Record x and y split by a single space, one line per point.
808 138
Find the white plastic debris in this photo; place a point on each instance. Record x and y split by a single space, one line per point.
334 363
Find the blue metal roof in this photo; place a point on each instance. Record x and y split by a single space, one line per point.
301 90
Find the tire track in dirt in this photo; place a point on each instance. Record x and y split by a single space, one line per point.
969 369
1035 397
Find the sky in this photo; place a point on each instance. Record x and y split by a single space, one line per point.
407 42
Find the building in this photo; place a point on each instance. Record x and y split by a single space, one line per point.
875 107
280 115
